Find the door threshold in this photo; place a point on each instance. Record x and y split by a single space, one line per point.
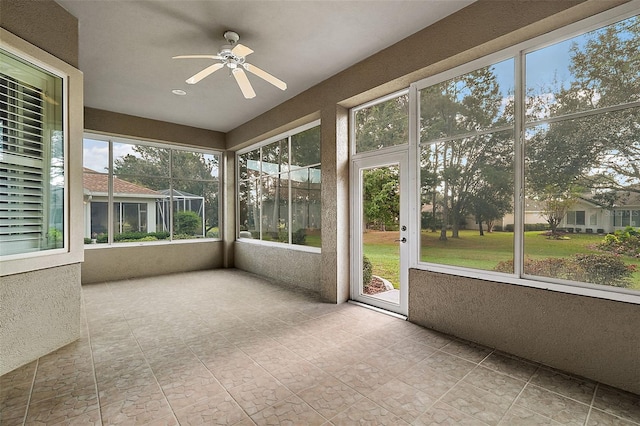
382 311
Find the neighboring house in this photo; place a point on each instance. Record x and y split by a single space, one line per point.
587 215
136 208
134 205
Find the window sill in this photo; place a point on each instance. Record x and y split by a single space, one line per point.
283 246
589 290
151 243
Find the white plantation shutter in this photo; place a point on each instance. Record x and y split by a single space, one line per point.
25 164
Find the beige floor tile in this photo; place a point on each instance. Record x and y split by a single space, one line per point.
182 394
449 364
259 393
413 350
291 411
61 408
573 387
497 383
521 416
553 405
221 409
428 380
299 376
140 409
367 412
443 414
363 377
619 403
403 400
600 418
476 402
330 397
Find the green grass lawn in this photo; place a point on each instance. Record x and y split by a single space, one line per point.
474 251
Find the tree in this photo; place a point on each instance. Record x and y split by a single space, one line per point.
382 125
598 152
381 196
465 106
555 204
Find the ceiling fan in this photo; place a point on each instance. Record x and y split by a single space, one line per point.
232 56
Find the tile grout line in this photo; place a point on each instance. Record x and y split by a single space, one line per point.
33 382
593 399
93 363
144 355
513 403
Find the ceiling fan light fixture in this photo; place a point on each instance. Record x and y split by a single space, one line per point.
233 57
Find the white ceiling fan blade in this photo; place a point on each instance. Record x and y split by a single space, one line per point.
205 72
244 84
241 50
197 57
266 76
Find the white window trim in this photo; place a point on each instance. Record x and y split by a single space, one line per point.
73 121
517 51
284 135
111 139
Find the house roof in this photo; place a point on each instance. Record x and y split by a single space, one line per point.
94 182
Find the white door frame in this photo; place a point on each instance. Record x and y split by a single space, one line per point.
399 156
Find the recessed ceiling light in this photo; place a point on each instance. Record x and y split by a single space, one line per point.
178 92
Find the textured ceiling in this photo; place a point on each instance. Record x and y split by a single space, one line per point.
126 49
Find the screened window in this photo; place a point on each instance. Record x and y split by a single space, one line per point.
466 163
279 189
382 125
32 159
576 117
137 192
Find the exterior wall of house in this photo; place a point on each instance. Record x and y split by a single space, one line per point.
40 309
271 261
129 260
589 337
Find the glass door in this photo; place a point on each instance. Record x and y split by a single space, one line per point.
379 267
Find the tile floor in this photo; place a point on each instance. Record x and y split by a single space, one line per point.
226 347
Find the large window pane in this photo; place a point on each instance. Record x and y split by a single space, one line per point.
473 102
159 193
279 190
382 125
305 148
275 210
579 168
467 202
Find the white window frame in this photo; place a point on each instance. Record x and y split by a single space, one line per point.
517 51
73 117
284 135
110 140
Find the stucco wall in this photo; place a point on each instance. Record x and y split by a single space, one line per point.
590 337
97 120
294 267
40 312
146 260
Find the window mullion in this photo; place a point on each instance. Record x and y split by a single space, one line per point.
519 155
110 205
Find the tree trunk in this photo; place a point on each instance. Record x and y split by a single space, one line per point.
479 219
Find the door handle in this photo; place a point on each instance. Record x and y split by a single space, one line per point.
402 240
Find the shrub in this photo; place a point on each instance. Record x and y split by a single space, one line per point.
605 269
536 226
601 269
299 237
188 222
87 240
367 271
623 242
509 227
